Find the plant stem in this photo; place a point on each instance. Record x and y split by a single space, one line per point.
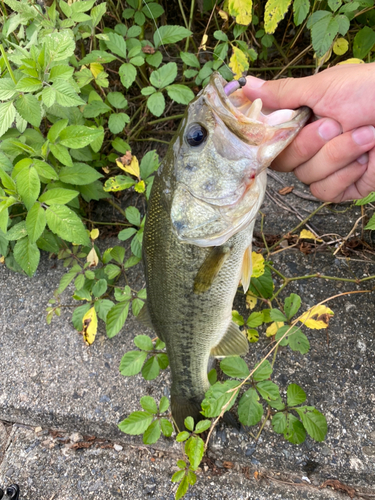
117 207
7 63
166 119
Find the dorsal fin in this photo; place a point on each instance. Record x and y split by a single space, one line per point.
210 268
234 343
247 269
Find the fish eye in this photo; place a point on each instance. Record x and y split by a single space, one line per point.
196 134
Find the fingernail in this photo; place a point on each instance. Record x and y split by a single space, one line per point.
254 83
363 159
364 135
329 129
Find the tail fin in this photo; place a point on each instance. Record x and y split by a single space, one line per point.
182 408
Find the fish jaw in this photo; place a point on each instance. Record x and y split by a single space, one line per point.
220 184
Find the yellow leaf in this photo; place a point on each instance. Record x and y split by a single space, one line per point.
252 335
94 234
274 12
340 46
203 42
325 57
238 63
96 69
352 60
251 301
92 258
106 170
140 187
317 318
258 264
272 329
90 326
132 169
2 259
308 235
223 15
241 10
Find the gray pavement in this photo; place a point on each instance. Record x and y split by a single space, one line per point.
61 401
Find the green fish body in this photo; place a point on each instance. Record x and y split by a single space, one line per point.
198 232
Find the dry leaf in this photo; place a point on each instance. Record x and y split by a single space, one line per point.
147 49
203 42
124 160
251 300
92 258
132 168
317 318
286 190
272 329
308 235
90 326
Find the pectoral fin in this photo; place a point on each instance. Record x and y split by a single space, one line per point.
210 268
247 269
234 343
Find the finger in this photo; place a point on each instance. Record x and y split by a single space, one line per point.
341 185
285 93
366 183
337 154
307 144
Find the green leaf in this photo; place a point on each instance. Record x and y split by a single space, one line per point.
117 100
7 116
116 44
154 59
66 224
180 93
127 233
28 85
79 136
102 307
164 76
371 223
194 449
234 366
249 410
112 271
7 89
28 107
268 390
137 305
116 318
189 423
300 9
95 108
35 222
60 45
277 315
149 164
334 4
80 174
182 436
275 11
295 395
152 433
28 186
323 33
182 488
262 286
97 13
132 362
212 376
58 196
120 145
166 427
363 42
133 216
64 282
17 232
61 72
99 288
191 59
164 404
279 423
100 56
127 74
117 122
292 305
136 423
61 153
148 90
156 103
170 34
143 342
202 426
263 371
118 254
218 396
63 93
299 342
148 403
27 255
152 10
163 361
151 369
314 422
55 130
255 319
370 198
294 432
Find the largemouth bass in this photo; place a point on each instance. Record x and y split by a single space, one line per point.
199 227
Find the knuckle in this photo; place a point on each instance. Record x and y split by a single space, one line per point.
333 153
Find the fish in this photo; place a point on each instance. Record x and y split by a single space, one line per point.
199 227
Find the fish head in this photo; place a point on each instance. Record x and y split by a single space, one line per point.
220 156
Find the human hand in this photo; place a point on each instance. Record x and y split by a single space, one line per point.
336 153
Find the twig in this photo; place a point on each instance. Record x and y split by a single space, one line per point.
348 236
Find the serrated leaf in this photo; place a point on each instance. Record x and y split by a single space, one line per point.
238 63
152 433
194 449
317 318
241 10
151 369
143 342
61 153
149 164
180 93
268 390
60 45
117 122
95 108
291 305
133 216
100 287
314 422
63 93
116 44
117 100
7 89
102 307
80 174
363 42
28 107
262 286
164 404
234 366
136 423
35 222
79 136
163 360
323 33
166 427
279 423
294 432
66 224
156 103
255 319
249 410
275 11
58 196
202 426
28 186
182 488
164 76
148 403
263 371
132 362
7 116
27 255
63 72
170 34
218 396
116 318
300 9
182 436
128 74
55 130
17 232
154 59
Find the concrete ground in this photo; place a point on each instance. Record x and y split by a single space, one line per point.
61 401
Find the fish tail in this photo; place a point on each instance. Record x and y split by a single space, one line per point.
184 407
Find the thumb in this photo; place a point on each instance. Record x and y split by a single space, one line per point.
278 94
